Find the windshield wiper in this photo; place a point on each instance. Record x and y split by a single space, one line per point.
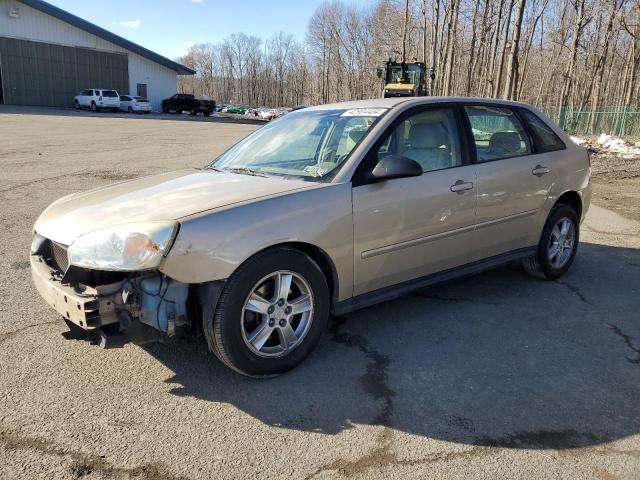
245 171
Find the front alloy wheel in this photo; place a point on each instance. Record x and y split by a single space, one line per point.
271 313
277 314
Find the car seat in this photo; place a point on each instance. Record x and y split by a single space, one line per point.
429 146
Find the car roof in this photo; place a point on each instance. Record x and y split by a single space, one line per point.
409 101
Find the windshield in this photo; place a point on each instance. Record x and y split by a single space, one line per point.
307 143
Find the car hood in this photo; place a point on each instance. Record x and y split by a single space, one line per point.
168 196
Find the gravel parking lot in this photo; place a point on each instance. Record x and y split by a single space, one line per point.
499 375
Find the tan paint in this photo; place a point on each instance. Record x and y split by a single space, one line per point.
375 235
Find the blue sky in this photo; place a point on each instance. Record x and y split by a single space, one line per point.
169 27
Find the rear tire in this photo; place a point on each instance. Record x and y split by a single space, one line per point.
94 107
206 113
193 113
130 110
76 105
165 109
557 249
302 312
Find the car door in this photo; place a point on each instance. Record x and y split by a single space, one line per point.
124 102
180 101
407 228
513 181
85 98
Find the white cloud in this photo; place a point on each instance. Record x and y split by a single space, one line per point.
129 23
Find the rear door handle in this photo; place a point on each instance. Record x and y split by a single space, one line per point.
540 170
460 186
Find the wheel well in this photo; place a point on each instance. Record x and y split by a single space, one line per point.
573 200
324 262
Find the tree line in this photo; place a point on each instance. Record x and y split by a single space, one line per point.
571 53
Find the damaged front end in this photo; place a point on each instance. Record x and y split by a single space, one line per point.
110 307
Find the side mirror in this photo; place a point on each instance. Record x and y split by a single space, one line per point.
395 166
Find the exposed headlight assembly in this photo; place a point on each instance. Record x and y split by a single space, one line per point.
129 247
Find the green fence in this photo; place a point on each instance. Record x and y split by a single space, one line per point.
618 121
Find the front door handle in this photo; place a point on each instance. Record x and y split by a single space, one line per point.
460 186
540 170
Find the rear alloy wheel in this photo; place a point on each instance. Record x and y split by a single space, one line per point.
271 313
558 244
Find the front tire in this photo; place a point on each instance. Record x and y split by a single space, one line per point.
271 313
558 244
76 105
129 110
165 109
94 107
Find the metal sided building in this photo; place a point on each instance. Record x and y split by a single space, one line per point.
48 55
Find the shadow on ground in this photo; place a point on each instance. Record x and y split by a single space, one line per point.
499 359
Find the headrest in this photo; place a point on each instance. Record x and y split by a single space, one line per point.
505 144
428 135
355 134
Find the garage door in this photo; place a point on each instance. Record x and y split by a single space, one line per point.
36 73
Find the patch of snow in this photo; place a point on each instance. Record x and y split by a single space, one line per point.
612 144
578 140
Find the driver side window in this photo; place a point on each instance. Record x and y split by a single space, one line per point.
429 137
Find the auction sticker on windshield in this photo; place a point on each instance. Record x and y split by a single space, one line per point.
363 112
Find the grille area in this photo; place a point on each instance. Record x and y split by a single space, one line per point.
60 257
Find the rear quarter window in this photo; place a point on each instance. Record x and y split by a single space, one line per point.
545 138
110 93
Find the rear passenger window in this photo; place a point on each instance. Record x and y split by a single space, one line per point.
497 133
545 138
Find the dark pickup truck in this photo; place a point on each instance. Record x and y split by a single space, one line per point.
182 102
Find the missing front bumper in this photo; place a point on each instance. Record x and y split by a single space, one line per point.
88 309
149 307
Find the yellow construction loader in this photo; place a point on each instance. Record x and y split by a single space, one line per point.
404 79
